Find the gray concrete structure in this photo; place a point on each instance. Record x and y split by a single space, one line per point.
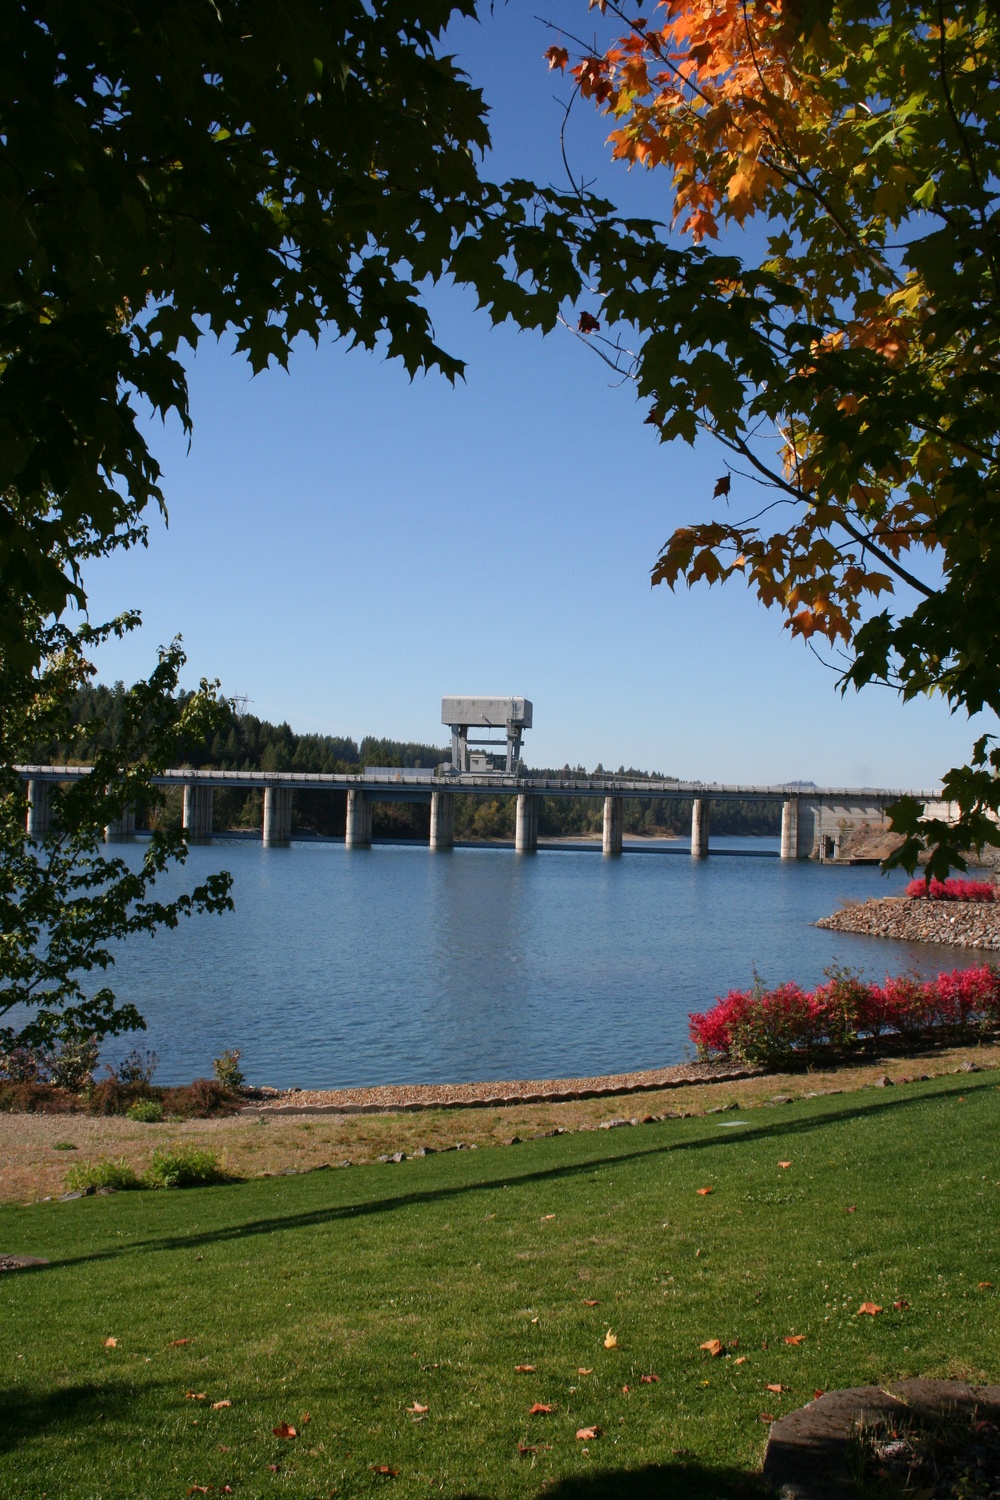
614 817
39 808
511 716
526 834
359 819
199 801
442 820
700 822
790 828
122 828
277 814
814 821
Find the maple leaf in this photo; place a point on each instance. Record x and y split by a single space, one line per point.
610 1340
582 1371
984 1284
194 1395
545 1217
525 1369
872 1309
218 1405
558 57
417 1408
540 1409
817 1393
741 1361
722 486
111 1343
383 1469
591 1302
704 1192
587 1434
626 1390
784 1164
176 1343
713 1346
648 1379
900 1305
587 323
777 1389
795 1338
284 1430
766 1416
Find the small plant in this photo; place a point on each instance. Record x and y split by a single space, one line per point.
104 1173
227 1069
72 1065
184 1166
146 1111
137 1067
64 1146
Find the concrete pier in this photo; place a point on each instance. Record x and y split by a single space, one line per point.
198 808
39 808
359 819
614 811
526 836
442 820
121 828
790 828
277 814
700 818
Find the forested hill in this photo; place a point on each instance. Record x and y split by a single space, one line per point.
246 743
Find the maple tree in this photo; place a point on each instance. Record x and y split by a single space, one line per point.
851 367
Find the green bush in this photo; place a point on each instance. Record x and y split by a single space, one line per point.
146 1111
227 1069
104 1173
184 1166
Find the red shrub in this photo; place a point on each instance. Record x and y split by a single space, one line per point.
953 889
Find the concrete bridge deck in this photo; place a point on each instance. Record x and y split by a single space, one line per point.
814 820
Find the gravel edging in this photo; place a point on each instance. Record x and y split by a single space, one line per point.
807 1456
409 1098
915 919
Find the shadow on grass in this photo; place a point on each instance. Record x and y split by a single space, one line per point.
681 1480
314 1218
26 1415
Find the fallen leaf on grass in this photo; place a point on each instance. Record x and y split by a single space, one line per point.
591 1302
714 1347
648 1379
306 1417
795 1338
111 1343
284 1430
547 1216
766 1416
784 1165
704 1192
817 1393
218 1405
199 1489
176 1343
582 1371
900 1305
610 1340
194 1395
383 1469
741 1361
525 1448
587 1434
984 1284
525 1369
870 1308
626 1390
777 1389
851 1210
417 1408
274 1468
540 1409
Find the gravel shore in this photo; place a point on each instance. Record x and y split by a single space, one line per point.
962 924
414 1096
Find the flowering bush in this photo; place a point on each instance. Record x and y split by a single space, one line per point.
766 1026
953 889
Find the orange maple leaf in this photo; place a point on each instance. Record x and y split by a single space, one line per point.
871 1308
713 1346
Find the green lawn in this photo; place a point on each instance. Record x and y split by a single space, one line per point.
355 1294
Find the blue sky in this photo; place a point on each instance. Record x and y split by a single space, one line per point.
345 547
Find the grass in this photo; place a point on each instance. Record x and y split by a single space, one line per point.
353 1295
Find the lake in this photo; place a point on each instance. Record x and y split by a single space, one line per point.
392 964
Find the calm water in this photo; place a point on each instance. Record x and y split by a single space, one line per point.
392 964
